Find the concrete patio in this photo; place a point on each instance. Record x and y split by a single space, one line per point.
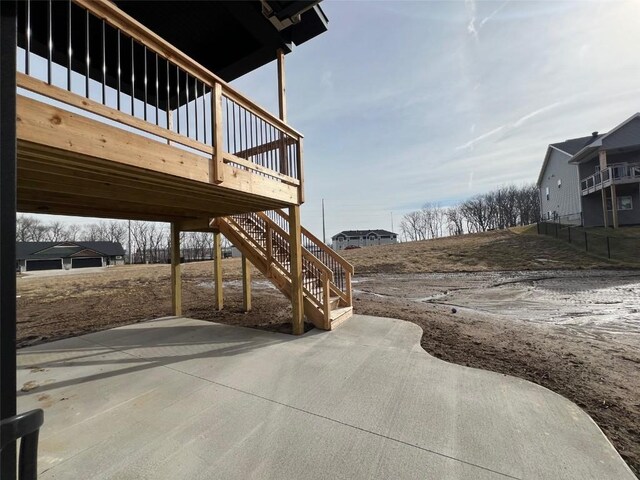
178 398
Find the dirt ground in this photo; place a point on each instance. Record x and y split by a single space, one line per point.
572 324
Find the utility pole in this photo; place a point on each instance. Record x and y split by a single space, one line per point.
324 230
392 221
129 247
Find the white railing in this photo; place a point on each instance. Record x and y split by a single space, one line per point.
613 174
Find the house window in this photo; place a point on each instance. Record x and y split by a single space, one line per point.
547 192
624 203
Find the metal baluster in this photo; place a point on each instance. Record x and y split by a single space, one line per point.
178 94
27 60
240 127
226 101
233 110
104 62
119 70
70 51
186 81
270 153
168 98
195 102
88 59
157 91
247 132
254 136
204 111
133 80
50 53
145 83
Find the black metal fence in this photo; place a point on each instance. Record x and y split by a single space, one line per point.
614 247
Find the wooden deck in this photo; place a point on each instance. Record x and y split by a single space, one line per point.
82 153
74 165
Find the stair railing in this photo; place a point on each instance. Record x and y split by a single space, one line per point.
269 238
342 270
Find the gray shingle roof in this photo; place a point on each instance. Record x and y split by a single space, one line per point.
29 250
363 233
574 145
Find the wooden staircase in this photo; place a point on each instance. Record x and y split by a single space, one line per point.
263 238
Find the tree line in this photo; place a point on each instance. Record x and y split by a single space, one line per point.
150 241
504 207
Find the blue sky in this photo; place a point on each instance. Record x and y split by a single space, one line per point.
403 103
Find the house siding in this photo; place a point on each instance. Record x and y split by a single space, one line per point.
592 203
564 200
340 242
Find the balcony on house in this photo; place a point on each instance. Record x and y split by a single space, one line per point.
115 121
615 174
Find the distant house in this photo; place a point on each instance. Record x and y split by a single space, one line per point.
582 179
362 238
66 255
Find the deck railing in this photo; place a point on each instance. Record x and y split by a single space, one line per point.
146 84
613 174
342 271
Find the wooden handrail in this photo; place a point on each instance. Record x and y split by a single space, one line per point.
119 19
329 251
305 253
264 148
229 158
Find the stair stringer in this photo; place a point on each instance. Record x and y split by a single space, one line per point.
277 276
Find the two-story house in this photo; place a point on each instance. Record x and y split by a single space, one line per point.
594 180
362 238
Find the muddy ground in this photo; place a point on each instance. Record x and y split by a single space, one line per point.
575 332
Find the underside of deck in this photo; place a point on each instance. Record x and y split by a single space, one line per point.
70 164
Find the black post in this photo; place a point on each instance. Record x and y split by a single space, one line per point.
538 226
569 232
608 249
8 47
556 230
586 244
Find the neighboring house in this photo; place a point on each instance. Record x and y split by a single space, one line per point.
362 238
583 179
559 183
66 255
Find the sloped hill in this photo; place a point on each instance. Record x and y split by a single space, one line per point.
498 250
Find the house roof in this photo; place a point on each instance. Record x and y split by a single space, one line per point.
624 135
574 145
35 250
360 233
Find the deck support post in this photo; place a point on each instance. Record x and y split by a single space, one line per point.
176 279
282 110
605 213
295 246
8 43
217 271
614 205
246 284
